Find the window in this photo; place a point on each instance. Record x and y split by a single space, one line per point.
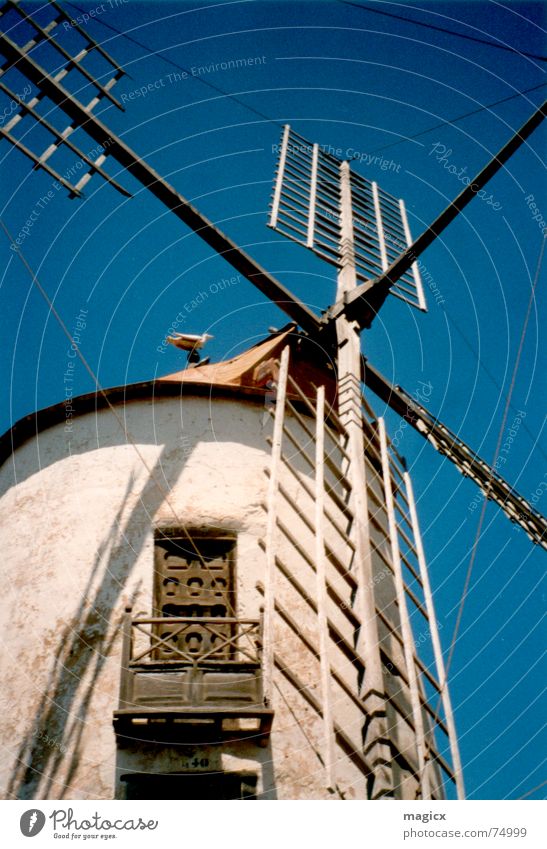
195 580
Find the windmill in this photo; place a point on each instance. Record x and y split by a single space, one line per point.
361 230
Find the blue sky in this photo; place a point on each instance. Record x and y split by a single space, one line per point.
364 82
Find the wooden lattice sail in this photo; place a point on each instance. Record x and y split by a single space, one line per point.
314 613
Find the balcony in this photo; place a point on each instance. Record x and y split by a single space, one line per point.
188 677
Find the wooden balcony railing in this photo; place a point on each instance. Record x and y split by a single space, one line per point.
194 640
181 675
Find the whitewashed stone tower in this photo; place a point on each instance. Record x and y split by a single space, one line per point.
184 599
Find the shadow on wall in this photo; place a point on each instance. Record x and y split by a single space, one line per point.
50 754
83 649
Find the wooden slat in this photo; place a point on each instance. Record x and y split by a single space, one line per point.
425 704
280 176
379 225
432 749
336 635
29 153
336 470
309 460
437 650
305 519
408 641
338 565
415 268
74 61
37 39
308 430
332 415
313 196
269 635
321 586
419 663
62 140
96 46
297 630
352 750
337 499
309 491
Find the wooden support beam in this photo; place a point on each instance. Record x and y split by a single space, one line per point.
372 688
166 194
280 176
362 304
72 61
313 198
379 226
408 640
437 650
271 528
321 591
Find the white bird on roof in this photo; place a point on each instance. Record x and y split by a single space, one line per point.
189 341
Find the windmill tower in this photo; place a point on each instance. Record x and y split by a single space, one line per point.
262 601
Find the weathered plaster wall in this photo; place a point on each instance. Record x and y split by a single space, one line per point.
77 516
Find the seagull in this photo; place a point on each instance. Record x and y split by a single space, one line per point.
190 342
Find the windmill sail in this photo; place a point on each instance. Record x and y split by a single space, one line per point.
35 127
468 463
68 95
306 205
312 611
